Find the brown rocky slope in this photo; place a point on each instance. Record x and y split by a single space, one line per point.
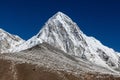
25 71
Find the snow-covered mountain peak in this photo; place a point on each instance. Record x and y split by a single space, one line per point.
61 17
59 14
61 20
61 32
8 41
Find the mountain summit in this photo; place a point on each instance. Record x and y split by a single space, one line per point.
60 31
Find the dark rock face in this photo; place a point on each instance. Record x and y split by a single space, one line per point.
9 70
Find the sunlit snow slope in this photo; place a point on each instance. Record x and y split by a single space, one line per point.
8 41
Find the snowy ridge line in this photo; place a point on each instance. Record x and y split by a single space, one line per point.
8 41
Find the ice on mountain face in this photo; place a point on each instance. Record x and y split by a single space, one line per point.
8 42
61 32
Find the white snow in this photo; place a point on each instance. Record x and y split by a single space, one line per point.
8 41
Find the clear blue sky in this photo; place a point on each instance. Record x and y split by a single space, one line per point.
98 18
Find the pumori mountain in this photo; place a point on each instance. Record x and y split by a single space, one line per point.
71 47
8 41
61 32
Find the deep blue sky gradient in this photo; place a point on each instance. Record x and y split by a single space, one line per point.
98 18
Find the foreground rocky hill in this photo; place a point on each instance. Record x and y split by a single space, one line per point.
44 62
25 71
